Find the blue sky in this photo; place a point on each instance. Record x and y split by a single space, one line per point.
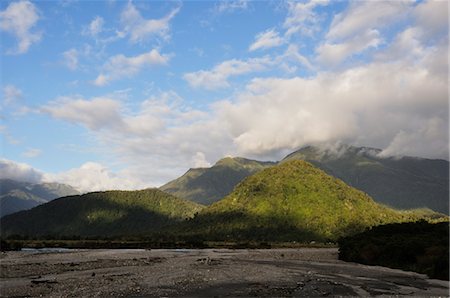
130 94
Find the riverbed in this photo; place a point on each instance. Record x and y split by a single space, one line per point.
307 272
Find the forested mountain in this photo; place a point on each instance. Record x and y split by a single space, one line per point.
400 182
101 214
293 201
208 185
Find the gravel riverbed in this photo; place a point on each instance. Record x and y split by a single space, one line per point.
307 272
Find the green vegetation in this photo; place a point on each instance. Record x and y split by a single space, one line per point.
17 196
208 185
420 247
290 202
101 214
402 183
293 201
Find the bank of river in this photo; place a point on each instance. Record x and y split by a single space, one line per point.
208 272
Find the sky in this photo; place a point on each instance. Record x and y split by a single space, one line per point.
131 94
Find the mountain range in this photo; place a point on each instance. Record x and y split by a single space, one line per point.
17 195
291 201
399 182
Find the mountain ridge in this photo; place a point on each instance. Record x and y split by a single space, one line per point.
19 195
400 182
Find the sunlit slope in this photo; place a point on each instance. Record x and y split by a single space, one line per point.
294 201
208 185
399 182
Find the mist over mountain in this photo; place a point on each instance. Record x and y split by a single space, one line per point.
403 182
18 195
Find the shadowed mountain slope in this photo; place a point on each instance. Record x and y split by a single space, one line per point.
17 196
101 214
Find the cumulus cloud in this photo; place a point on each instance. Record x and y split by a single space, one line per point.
217 77
432 16
156 141
19 171
120 66
266 39
95 114
276 114
92 176
140 29
18 19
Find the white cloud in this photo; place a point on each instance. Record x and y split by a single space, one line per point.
218 76
432 16
92 176
366 15
429 133
199 160
293 54
11 94
19 171
32 153
266 39
18 19
71 59
358 28
120 66
140 29
360 105
302 18
98 113
332 54
156 142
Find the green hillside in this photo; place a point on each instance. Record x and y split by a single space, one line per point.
208 185
17 195
293 201
101 214
402 183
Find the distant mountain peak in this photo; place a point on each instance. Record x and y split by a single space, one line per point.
18 195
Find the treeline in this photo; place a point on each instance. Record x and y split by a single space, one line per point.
421 247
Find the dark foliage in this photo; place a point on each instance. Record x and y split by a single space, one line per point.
419 246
